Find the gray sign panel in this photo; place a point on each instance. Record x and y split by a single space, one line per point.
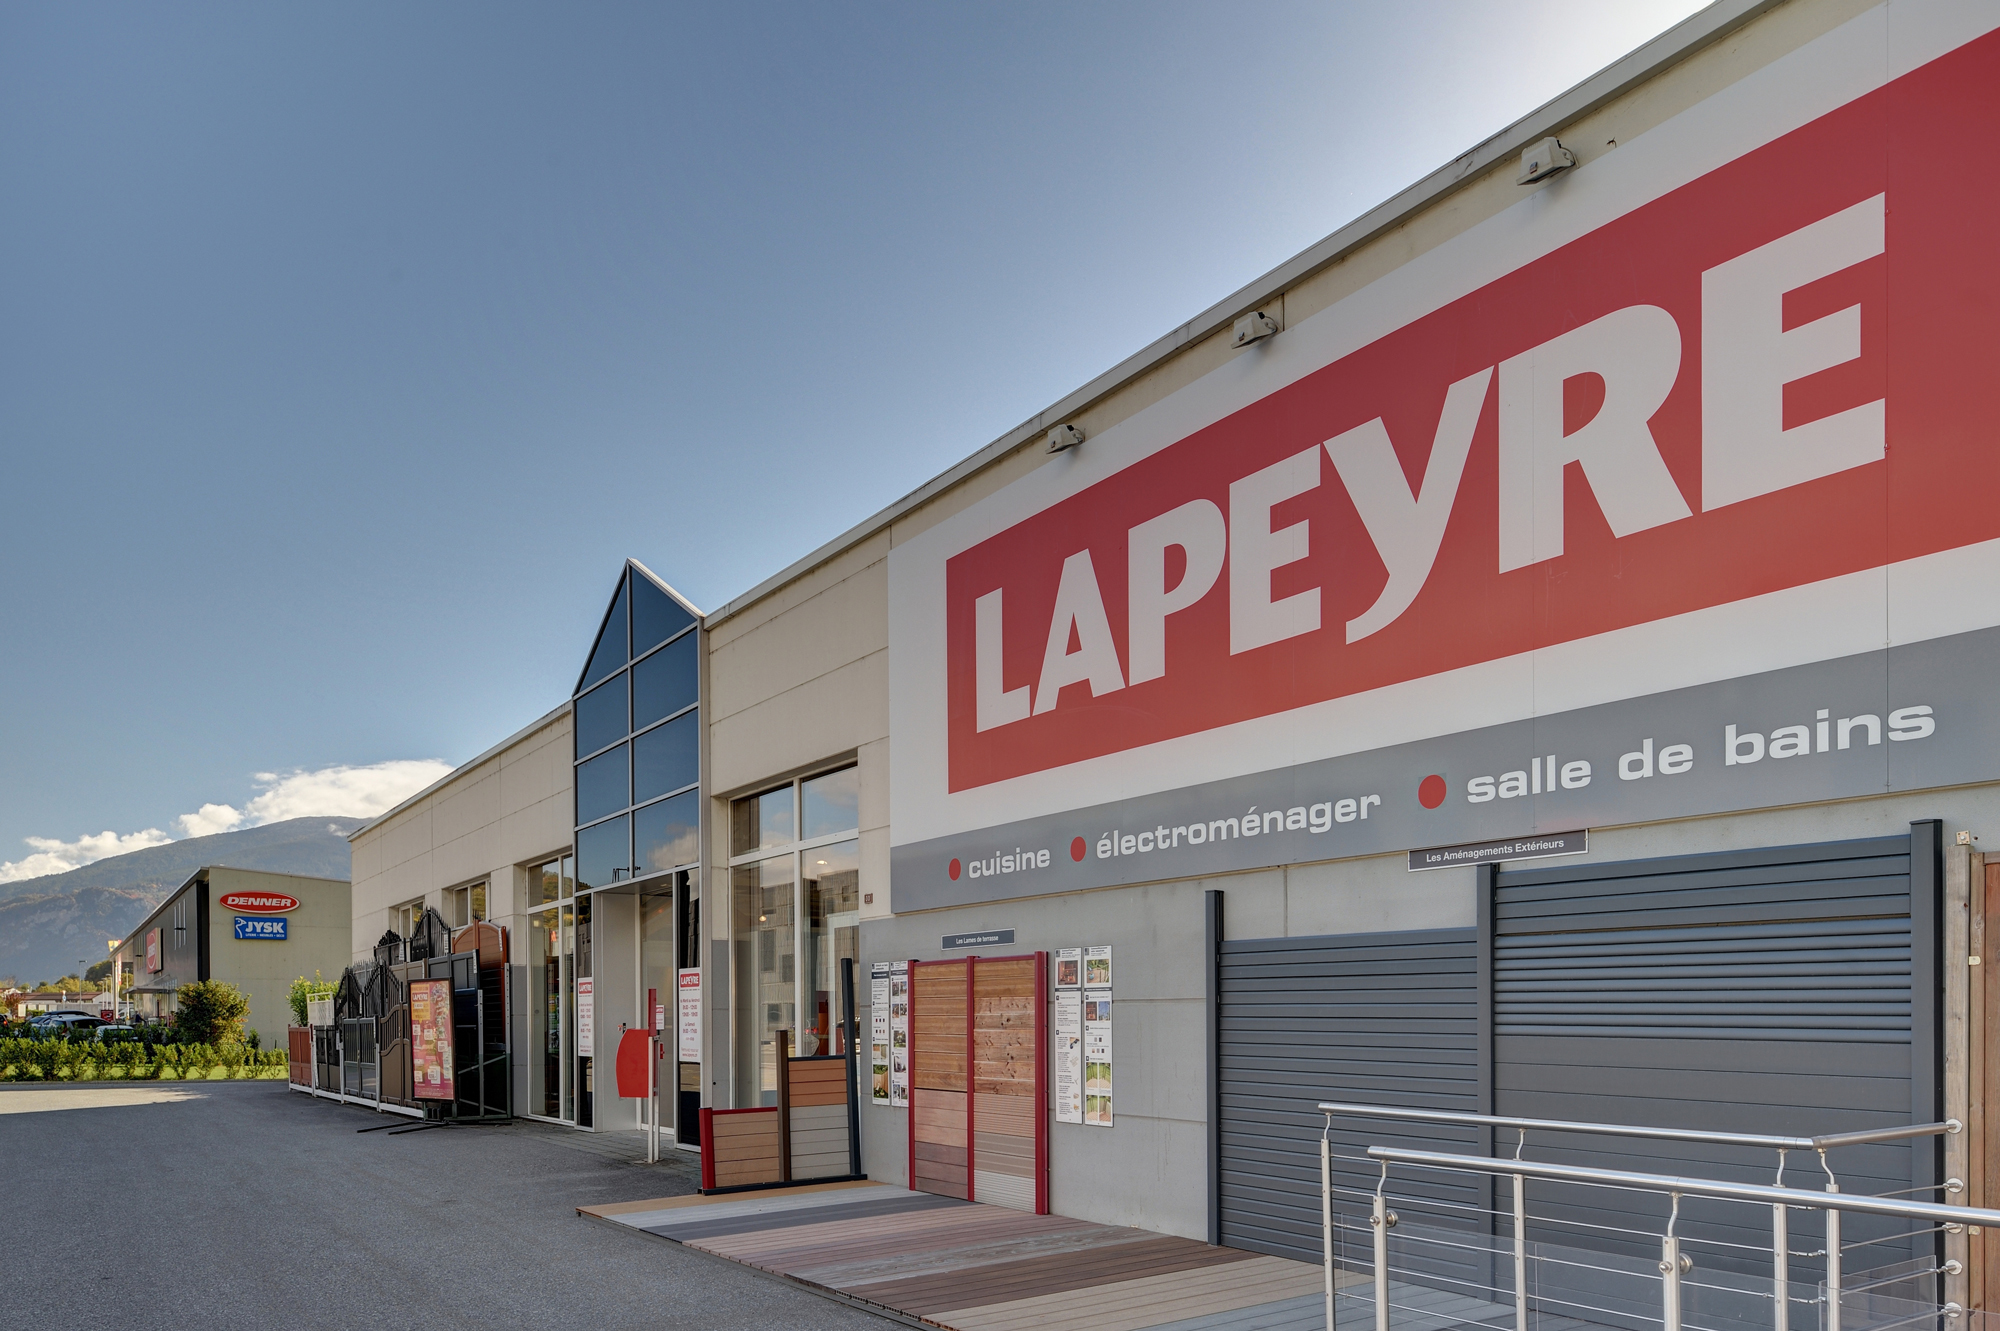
990 938
1909 718
1540 847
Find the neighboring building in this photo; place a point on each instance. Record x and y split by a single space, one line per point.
258 931
1529 653
28 1003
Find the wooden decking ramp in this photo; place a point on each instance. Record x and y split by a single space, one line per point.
969 1267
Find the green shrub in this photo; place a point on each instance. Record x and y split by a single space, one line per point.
210 1012
304 989
87 1060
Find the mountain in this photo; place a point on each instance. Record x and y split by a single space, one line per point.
48 923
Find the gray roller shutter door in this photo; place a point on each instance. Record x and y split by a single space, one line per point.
1753 991
1389 1018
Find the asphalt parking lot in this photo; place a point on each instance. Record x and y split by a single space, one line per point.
244 1205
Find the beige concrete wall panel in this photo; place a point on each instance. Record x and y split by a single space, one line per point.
844 622
1157 1183
874 804
869 550
408 837
1253 904
1972 807
468 807
536 775
834 713
875 870
1375 895
364 859
1150 1036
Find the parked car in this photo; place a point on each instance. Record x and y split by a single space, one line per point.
58 1023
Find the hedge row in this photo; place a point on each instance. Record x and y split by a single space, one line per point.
79 1060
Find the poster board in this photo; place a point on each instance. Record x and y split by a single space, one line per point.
878 1033
1067 1043
689 990
899 1034
431 1039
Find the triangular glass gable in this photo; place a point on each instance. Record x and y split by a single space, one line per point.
609 652
656 614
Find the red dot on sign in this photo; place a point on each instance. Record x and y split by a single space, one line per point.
953 871
1430 791
1076 849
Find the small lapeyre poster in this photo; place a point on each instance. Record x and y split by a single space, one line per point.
1097 1058
1069 968
1097 967
878 1033
430 1038
689 1039
899 1034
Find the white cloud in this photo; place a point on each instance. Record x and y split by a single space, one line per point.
330 792
52 856
208 820
342 792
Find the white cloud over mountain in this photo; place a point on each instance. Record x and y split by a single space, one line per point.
330 792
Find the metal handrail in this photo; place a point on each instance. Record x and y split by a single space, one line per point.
1831 1203
1824 1142
1673 1184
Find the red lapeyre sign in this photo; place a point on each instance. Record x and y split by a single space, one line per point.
1771 376
258 903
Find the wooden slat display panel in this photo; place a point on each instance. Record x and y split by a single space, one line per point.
743 1147
1007 1058
939 1133
816 1100
982 1136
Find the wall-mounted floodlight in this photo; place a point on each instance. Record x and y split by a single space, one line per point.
1064 436
1542 160
1253 327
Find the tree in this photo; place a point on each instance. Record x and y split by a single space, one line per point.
96 976
209 1012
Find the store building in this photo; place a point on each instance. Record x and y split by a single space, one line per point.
1526 653
258 931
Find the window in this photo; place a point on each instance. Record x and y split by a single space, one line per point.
464 905
795 903
403 919
551 988
550 881
638 738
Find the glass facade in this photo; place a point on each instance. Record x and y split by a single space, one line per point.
637 820
795 912
638 739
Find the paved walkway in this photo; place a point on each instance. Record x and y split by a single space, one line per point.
970 1267
242 1206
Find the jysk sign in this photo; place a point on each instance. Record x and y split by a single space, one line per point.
253 926
1638 500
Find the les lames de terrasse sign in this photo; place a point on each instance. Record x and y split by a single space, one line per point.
1522 563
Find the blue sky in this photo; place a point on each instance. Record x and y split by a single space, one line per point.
346 350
